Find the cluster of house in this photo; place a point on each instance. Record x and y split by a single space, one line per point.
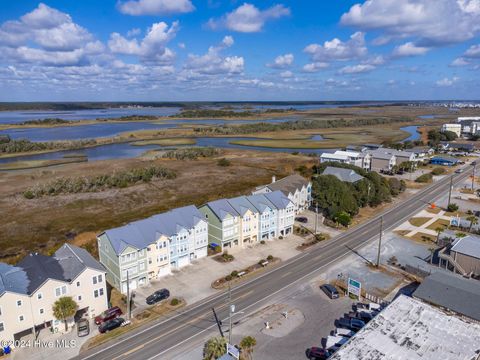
147 249
29 290
375 157
465 126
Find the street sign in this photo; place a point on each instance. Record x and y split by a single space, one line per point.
354 287
232 350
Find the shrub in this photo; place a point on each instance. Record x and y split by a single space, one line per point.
438 171
425 178
452 207
223 162
261 261
228 277
270 257
343 218
234 274
262 242
175 302
280 237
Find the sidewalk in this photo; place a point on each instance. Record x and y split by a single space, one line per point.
407 226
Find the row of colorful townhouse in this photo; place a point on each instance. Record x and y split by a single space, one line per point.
151 248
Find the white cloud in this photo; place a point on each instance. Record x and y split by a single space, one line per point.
430 25
338 50
213 63
409 49
315 67
356 69
45 17
134 32
155 7
248 18
459 62
151 48
473 51
286 74
282 61
445 82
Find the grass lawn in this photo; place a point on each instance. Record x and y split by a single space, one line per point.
435 210
422 237
440 223
418 221
166 142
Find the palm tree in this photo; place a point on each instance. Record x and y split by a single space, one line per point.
64 308
247 344
439 230
214 348
473 221
432 252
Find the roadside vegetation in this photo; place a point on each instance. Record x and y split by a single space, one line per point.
97 183
340 201
425 178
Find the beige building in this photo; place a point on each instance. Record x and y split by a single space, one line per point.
455 128
29 290
158 258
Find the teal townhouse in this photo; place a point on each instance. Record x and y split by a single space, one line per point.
150 248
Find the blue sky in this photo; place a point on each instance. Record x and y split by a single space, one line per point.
166 50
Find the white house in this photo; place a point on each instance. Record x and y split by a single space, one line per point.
455 128
29 290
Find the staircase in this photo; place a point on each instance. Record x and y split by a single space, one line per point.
442 254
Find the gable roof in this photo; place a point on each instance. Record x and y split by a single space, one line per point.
74 260
13 279
468 245
378 154
140 234
261 202
289 184
242 205
347 175
222 208
278 199
453 292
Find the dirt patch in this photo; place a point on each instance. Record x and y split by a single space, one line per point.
423 238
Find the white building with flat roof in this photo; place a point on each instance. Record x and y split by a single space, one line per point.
455 128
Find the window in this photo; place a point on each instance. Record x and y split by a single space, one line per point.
95 293
1 326
21 318
94 279
59 291
142 266
101 292
19 302
79 297
41 311
100 278
78 283
39 296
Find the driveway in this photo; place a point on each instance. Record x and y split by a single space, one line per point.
193 282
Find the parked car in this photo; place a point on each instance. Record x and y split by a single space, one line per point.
344 332
365 316
108 314
330 290
83 327
473 163
213 246
158 296
110 325
301 219
351 324
458 171
317 353
333 343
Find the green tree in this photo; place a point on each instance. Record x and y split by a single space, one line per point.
64 308
247 344
343 218
452 207
214 348
439 230
473 221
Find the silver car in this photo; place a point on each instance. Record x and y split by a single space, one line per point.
83 327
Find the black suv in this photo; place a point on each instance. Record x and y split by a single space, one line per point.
158 296
110 325
330 290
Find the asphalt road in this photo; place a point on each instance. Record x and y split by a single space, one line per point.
153 341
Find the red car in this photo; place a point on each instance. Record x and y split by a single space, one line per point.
107 315
317 353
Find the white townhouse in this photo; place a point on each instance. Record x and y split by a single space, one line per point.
150 248
295 187
29 290
285 212
360 159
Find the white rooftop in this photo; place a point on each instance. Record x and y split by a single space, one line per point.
468 245
409 329
334 156
347 153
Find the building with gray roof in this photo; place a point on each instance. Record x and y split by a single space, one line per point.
451 292
346 175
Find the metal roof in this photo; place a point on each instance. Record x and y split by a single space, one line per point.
222 208
242 205
334 156
453 292
347 175
468 245
289 184
140 234
13 279
278 199
261 202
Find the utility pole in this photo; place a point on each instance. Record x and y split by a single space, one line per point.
450 190
380 241
128 296
316 217
473 176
